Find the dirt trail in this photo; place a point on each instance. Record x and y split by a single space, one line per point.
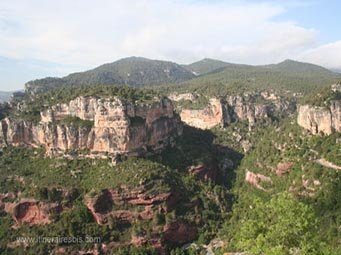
326 163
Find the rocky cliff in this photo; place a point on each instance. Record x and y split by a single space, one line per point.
319 119
215 113
246 107
98 126
102 205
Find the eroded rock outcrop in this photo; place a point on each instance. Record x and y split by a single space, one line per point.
283 168
107 204
119 127
320 119
256 180
237 108
212 115
32 212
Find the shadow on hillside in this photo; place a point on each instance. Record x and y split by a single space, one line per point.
197 147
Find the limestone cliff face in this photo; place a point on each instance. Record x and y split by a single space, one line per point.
119 127
335 111
320 119
244 110
206 118
236 108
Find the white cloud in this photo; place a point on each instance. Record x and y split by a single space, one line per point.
88 33
328 55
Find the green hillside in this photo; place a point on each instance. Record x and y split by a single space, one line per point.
314 190
208 65
133 71
288 75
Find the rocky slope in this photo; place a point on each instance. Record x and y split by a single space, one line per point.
321 119
237 108
113 127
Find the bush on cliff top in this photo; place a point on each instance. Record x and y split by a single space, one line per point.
76 121
323 98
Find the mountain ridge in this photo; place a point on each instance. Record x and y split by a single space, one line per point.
141 72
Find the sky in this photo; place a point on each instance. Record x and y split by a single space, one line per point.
40 38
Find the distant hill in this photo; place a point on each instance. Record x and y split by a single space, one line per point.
291 66
5 96
208 65
208 75
287 75
133 71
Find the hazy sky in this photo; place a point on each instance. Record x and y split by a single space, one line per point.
40 38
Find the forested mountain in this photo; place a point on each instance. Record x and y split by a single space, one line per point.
205 74
288 75
133 71
208 65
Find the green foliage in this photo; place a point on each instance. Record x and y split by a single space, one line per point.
136 72
178 251
323 98
206 66
39 173
64 94
287 142
235 79
199 103
4 110
76 121
137 121
281 226
135 251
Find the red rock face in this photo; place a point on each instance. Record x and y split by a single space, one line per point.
283 168
103 205
32 212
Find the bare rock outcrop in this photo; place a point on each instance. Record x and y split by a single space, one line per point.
336 87
32 212
212 115
256 179
106 205
119 127
237 108
283 168
320 119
